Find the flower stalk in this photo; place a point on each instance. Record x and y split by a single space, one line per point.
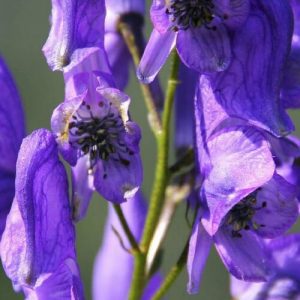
154 116
159 186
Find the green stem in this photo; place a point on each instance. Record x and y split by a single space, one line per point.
172 275
162 170
154 117
159 186
125 226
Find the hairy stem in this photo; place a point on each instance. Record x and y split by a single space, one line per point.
125 226
154 116
159 185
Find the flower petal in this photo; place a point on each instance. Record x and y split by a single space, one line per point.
117 181
234 12
119 58
199 247
244 257
207 50
82 182
63 284
39 234
290 90
159 17
12 126
240 162
263 38
281 210
155 55
75 24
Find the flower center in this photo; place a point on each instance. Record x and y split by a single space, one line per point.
100 138
240 216
190 13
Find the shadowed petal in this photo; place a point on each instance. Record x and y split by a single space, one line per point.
119 58
234 12
156 53
290 89
244 257
12 126
83 188
184 109
199 247
254 96
281 210
204 50
75 24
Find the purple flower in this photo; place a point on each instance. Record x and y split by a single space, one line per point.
284 282
74 25
92 126
113 263
93 130
12 131
38 244
244 199
199 30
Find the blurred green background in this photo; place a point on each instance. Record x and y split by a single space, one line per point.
24 28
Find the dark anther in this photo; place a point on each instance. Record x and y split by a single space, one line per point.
190 13
100 138
240 216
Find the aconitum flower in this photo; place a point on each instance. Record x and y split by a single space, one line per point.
244 199
12 131
38 243
284 282
199 30
114 262
94 130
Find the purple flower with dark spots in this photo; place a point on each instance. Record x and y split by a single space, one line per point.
38 243
284 282
12 131
108 268
244 200
200 31
94 131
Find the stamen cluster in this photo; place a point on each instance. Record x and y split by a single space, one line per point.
190 13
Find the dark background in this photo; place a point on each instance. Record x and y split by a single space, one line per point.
24 28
